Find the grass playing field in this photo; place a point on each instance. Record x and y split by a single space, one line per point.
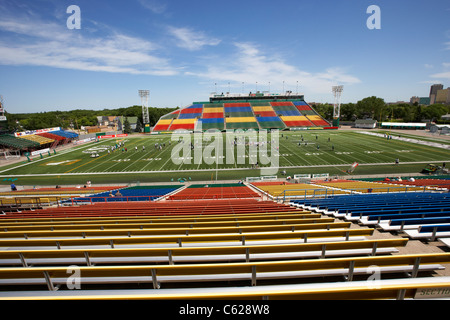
299 152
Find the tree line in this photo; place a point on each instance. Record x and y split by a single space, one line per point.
75 119
368 108
377 109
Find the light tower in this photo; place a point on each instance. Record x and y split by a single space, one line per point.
337 91
2 109
144 101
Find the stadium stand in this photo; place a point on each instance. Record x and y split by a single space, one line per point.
285 190
181 249
256 112
39 139
317 120
139 193
58 140
211 123
429 183
163 125
11 141
388 289
413 213
242 123
267 122
66 134
192 112
215 191
353 186
183 124
48 196
296 121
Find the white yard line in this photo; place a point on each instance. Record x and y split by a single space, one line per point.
422 142
206 170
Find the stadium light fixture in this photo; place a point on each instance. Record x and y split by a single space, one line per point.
144 101
337 92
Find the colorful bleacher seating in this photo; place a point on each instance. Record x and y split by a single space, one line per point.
215 191
404 211
141 193
11 141
241 115
171 248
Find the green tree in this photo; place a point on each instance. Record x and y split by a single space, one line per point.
349 112
126 126
138 126
371 107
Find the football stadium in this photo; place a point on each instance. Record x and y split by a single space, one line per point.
168 214
264 192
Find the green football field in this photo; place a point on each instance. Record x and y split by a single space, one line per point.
298 152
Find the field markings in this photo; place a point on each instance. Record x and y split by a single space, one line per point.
85 164
63 152
346 141
421 150
384 148
206 170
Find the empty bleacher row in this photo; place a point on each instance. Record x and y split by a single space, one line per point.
282 190
353 186
439 184
423 215
139 193
49 196
241 115
215 191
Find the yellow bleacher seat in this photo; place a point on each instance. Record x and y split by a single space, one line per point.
212 110
241 119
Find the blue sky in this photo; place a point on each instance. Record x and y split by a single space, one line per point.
183 50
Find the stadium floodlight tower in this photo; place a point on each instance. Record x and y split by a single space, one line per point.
145 116
337 92
2 112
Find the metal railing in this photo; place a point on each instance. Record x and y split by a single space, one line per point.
329 192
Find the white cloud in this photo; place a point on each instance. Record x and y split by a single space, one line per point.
250 65
428 66
442 75
446 64
155 6
34 42
192 40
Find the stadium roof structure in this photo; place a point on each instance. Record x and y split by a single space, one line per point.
259 111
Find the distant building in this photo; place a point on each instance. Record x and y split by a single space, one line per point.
366 124
425 101
443 96
414 100
433 92
108 121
